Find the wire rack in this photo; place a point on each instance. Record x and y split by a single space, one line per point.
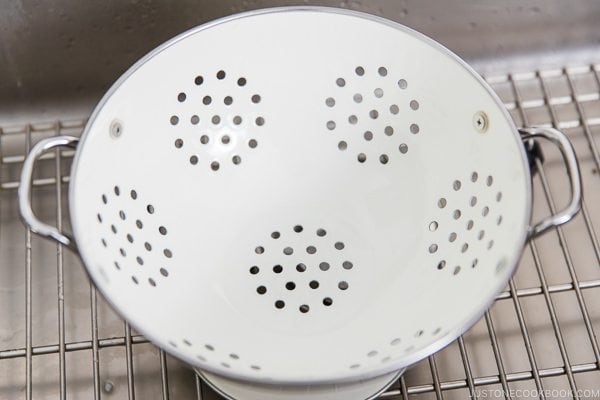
59 339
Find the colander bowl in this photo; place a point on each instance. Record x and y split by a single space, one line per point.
300 196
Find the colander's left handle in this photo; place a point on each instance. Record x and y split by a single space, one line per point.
27 214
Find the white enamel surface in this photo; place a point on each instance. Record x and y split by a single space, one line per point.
359 390
207 310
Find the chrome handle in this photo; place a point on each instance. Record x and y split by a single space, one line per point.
568 153
27 214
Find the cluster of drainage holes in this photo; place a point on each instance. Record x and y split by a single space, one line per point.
224 140
394 343
469 225
216 120
231 360
301 268
387 111
125 231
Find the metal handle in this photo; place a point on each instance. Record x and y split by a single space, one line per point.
568 153
27 214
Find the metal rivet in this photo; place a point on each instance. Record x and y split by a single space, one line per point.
480 122
116 129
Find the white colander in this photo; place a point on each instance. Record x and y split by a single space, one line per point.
300 196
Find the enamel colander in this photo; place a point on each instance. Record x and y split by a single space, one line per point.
300 196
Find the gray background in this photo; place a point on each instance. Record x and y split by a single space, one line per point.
63 54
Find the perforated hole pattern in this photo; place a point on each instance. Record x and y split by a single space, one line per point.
379 123
217 118
469 223
209 353
305 275
394 347
126 222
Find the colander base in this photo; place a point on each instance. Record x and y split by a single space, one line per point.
232 389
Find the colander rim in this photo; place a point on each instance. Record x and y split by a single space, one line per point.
393 365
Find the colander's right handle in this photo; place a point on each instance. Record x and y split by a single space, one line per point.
27 214
568 153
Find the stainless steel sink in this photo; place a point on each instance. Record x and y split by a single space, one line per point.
59 338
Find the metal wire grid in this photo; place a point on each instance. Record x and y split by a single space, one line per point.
568 99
